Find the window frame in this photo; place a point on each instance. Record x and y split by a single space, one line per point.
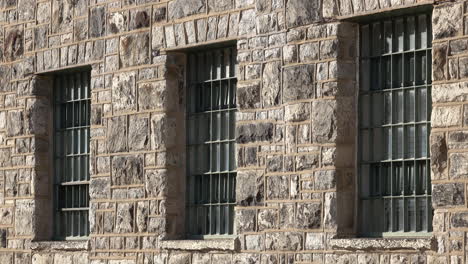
59 226
193 78
382 90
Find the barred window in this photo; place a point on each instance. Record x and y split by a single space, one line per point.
394 126
71 154
211 109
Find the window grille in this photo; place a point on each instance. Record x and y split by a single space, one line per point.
71 154
211 109
395 108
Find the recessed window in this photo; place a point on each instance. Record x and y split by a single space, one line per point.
71 154
211 110
394 126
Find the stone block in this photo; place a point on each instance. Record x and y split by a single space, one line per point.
183 8
283 241
447 116
330 220
42 258
62 15
139 18
325 180
138 133
154 95
117 22
127 170
324 128
448 195
447 20
298 82
156 183
271 84
163 131
259 132
125 218
297 112
99 188
302 12
15 123
117 134
314 241
248 95
267 219
308 215
24 218
13 43
245 221
36 110
246 25
458 165
267 23
249 188
277 187
124 92
97 22
451 92
307 162
134 49
254 242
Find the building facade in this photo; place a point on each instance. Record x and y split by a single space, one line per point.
233 131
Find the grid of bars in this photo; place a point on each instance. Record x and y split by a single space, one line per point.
395 107
211 109
71 154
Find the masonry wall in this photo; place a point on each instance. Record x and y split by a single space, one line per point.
296 130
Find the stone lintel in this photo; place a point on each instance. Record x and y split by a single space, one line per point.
60 245
369 244
230 244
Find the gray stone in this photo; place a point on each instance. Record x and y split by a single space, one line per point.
271 86
448 195
142 216
99 188
124 92
254 242
248 96
245 221
127 170
325 180
15 123
13 44
307 162
220 5
314 241
36 110
117 22
447 116
246 25
447 20
97 22
24 218
117 134
330 211
156 183
62 13
286 215
139 18
267 23
277 187
27 10
308 215
459 165
183 8
80 30
283 241
439 61
249 188
5 76
458 140
134 49
297 112
125 218
259 132
159 14
323 121
451 92
138 133
302 12
267 219
438 155
298 83
309 52
163 131
328 49
274 163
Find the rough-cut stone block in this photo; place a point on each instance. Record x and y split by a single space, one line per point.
451 92
298 83
302 12
297 112
459 166
124 92
248 95
156 183
154 95
325 180
127 170
283 241
24 218
271 86
117 134
13 43
134 49
36 110
324 121
267 219
163 131
125 218
139 18
254 133
439 61
438 147
245 221
308 215
99 188
277 187
117 22
182 8
62 13
27 10
314 241
97 22
447 116
448 195
249 188
447 20
330 220
307 161
138 133
220 5
15 123
246 24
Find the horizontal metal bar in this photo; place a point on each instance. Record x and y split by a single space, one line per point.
73 183
73 209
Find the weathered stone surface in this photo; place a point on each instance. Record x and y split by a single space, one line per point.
36 110
97 22
267 219
254 132
27 10
458 140
448 195
246 221
298 83
452 92
249 188
254 242
6 216
127 170
154 95
274 163
324 128
62 13
117 22
13 44
277 187
283 241
134 49
246 25
163 131
302 12
24 218
439 63
314 241
156 183
117 134
99 188
139 18
182 8
330 220
297 112
138 133
5 76
124 92
307 162
271 87
459 165
125 216
248 95
15 124
308 215
447 20
438 149
217 5
447 116
325 180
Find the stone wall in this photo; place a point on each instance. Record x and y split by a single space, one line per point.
296 140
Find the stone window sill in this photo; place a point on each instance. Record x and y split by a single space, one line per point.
231 244
82 245
420 244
